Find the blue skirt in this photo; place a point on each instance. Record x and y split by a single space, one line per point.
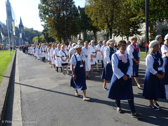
135 70
78 84
120 89
152 86
166 69
107 72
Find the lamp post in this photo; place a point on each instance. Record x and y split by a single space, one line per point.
147 25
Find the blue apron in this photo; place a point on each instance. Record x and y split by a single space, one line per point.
119 88
107 71
153 86
135 66
80 82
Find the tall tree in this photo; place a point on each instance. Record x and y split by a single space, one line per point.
102 13
86 24
157 12
125 26
47 34
59 14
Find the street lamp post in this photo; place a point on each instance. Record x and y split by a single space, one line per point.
147 25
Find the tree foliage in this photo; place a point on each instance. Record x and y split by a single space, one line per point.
29 34
114 16
102 13
86 24
124 17
54 13
157 12
39 39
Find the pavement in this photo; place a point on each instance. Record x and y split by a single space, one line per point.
42 97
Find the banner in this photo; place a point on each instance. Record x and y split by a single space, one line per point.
2 36
13 24
13 13
20 35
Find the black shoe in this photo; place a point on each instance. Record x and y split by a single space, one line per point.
120 110
156 104
136 115
140 87
155 108
105 88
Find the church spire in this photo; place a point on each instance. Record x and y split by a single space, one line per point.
21 24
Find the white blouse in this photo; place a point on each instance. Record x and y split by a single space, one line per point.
85 51
57 52
115 68
72 51
150 62
79 58
164 49
107 53
93 50
130 50
64 55
98 47
51 52
103 47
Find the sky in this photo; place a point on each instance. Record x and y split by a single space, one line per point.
28 11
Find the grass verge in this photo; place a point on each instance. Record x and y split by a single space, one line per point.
5 59
143 54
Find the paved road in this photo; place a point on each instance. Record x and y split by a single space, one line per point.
48 100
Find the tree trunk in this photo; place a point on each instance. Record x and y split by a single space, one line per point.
110 33
127 38
84 36
95 35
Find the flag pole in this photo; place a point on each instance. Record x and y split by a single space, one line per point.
8 35
8 30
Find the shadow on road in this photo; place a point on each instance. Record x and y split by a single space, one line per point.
148 115
4 76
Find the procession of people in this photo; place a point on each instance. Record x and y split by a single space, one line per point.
120 62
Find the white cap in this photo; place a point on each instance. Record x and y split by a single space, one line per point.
157 37
111 41
92 41
73 44
166 37
153 43
78 46
134 37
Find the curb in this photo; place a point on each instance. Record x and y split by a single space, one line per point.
4 88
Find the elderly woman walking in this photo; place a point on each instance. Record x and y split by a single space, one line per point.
134 52
155 73
121 82
78 80
107 72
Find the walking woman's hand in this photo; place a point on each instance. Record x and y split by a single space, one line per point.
167 54
74 76
125 77
159 76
